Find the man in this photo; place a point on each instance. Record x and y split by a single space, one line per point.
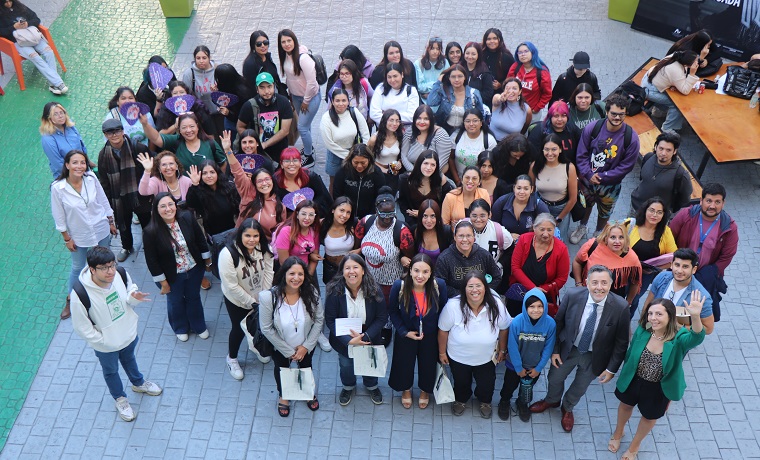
102 314
575 75
269 114
592 338
712 234
606 153
679 282
119 173
663 175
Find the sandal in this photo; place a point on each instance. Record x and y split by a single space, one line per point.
406 402
313 404
283 409
424 400
614 444
628 455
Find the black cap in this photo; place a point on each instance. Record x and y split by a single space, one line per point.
112 124
581 60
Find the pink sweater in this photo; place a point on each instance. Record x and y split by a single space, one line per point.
153 185
304 85
267 216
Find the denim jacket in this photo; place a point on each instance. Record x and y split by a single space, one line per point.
445 101
662 281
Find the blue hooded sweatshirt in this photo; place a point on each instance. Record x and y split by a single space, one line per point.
530 346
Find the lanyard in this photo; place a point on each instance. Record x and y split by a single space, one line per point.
703 236
417 307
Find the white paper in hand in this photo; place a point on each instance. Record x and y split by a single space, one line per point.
344 326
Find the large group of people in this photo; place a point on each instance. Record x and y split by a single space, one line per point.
452 183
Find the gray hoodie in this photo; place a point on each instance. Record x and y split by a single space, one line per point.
200 81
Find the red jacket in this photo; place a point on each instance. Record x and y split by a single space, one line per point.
557 266
718 248
535 97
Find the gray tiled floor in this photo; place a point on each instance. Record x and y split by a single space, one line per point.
205 413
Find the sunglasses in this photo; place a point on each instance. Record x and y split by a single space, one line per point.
386 215
436 40
264 43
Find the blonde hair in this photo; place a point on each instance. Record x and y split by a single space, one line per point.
602 238
46 125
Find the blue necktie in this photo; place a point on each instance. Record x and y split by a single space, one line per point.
588 331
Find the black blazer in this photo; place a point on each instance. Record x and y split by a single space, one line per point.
377 316
160 258
612 334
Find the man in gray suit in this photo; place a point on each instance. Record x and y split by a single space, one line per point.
592 337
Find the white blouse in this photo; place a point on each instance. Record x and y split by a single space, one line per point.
474 344
85 215
292 320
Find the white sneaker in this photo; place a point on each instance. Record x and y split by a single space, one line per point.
234 366
262 359
125 410
55 90
324 343
149 388
578 234
64 89
182 337
204 334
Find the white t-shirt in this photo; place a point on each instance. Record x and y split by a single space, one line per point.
472 345
467 150
339 246
488 240
674 297
292 319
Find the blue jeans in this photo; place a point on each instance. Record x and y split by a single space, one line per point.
305 119
184 302
79 260
110 364
674 118
333 164
43 58
564 226
347 377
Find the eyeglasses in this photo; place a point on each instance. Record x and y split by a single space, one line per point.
470 180
472 122
617 114
263 180
655 212
291 161
114 132
465 237
344 74
385 215
264 43
106 268
310 215
478 217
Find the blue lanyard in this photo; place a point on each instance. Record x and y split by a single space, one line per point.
703 236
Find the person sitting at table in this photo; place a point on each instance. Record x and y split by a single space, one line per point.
678 71
702 43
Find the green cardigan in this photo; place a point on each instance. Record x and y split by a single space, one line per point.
673 382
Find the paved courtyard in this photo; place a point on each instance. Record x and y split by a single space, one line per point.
203 412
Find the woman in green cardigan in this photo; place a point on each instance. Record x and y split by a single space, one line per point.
652 375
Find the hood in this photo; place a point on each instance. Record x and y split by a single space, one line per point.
538 293
724 219
203 72
303 49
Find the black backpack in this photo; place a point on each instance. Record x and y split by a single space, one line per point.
319 66
81 292
635 93
397 226
627 136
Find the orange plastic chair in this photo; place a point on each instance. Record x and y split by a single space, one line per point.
9 48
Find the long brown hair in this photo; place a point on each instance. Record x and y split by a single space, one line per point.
682 57
295 225
430 289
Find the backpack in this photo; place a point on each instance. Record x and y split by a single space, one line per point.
627 136
676 184
319 67
397 227
539 71
81 292
358 138
635 93
499 229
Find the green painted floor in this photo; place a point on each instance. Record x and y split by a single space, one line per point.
104 45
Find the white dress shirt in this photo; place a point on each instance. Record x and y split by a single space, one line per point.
586 313
84 216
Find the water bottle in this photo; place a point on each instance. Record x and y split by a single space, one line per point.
525 396
755 98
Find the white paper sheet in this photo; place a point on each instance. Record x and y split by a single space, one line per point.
343 326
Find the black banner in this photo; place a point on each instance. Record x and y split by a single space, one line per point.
735 24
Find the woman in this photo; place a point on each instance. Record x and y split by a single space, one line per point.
192 145
513 155
291 176
469 141
702 43
166 120
453 97
175 252
14 16
679 71
424 182
291 318
81 213
341 129
469 327
556 123
496 56
213 197
337 235
429 67
387 245
613 250
489 235
540 260
146 93
651 238
355 55
495 186
556 182
300 73
652 374
534 75
359 180
425 135
415 305
454 53
200 78
300 236
246 268
456 205
354 293
249 145
385 144
394 93
511 114
584 108
228 80
351 79
135 132
163 174
464 256
432 236
259 60
478 75
59 136
393 54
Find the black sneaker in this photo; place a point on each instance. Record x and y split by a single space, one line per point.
376 396
307 161
504 409
523 411
345 397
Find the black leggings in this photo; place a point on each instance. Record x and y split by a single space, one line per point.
282 361
236 333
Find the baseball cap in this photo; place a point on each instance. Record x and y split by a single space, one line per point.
112 125
581 60
264 77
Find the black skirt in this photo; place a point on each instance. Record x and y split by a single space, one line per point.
647 395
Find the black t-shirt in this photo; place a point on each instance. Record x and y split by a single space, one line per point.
646 249
270 121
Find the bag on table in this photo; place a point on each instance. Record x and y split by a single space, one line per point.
297 384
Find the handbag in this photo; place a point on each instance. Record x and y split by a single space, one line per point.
297 384
31 36
369 360
256 338
443 390
217 243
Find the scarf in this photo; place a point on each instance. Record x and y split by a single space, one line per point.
625 268
123 193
